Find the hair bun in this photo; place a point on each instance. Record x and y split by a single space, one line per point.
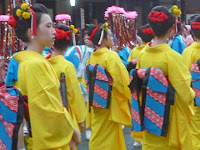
196 25
157 16
147 31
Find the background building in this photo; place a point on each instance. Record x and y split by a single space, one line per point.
95 8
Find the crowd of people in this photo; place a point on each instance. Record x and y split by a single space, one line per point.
98 87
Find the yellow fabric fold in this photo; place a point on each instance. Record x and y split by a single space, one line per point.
106 123
121 95
106 134
135 52
163 57
75 98
192 54
138 136
51 124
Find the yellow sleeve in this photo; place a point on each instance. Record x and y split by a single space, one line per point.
180 78
75 97
187 56
121 94
51 124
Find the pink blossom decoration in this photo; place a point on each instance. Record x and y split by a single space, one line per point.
4 18
106 15
131 14
61 17
115 9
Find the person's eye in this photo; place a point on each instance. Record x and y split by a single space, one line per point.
49 25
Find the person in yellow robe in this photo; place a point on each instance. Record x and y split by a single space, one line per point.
192 54
60 64
106 124
51 124
78 55
159 54
146 34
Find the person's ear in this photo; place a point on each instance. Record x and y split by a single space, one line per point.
171 29
29 33
104 40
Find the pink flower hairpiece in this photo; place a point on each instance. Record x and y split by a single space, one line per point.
115 9
4 18
106 15
61 17
131 15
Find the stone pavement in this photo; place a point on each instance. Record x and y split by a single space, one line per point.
128 140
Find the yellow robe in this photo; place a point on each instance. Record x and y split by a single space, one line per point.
51 124
88 114
178 137
106 123
192 54
135 53
75 97
138 136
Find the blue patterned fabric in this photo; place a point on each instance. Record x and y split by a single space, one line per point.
155 104
78 55
157 96
99 83
135 106
12 73
11 116
195 73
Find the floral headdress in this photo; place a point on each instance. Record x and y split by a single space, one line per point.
74 32
175 11
131 15
157 16
61 34
61 17
104 28
25 12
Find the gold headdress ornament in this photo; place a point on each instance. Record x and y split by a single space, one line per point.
175 11
104 28
23 11
74 31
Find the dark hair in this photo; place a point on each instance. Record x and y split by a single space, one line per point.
62 44
193 17
24 24
144 36
97 35
196 32
179 28
161 28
